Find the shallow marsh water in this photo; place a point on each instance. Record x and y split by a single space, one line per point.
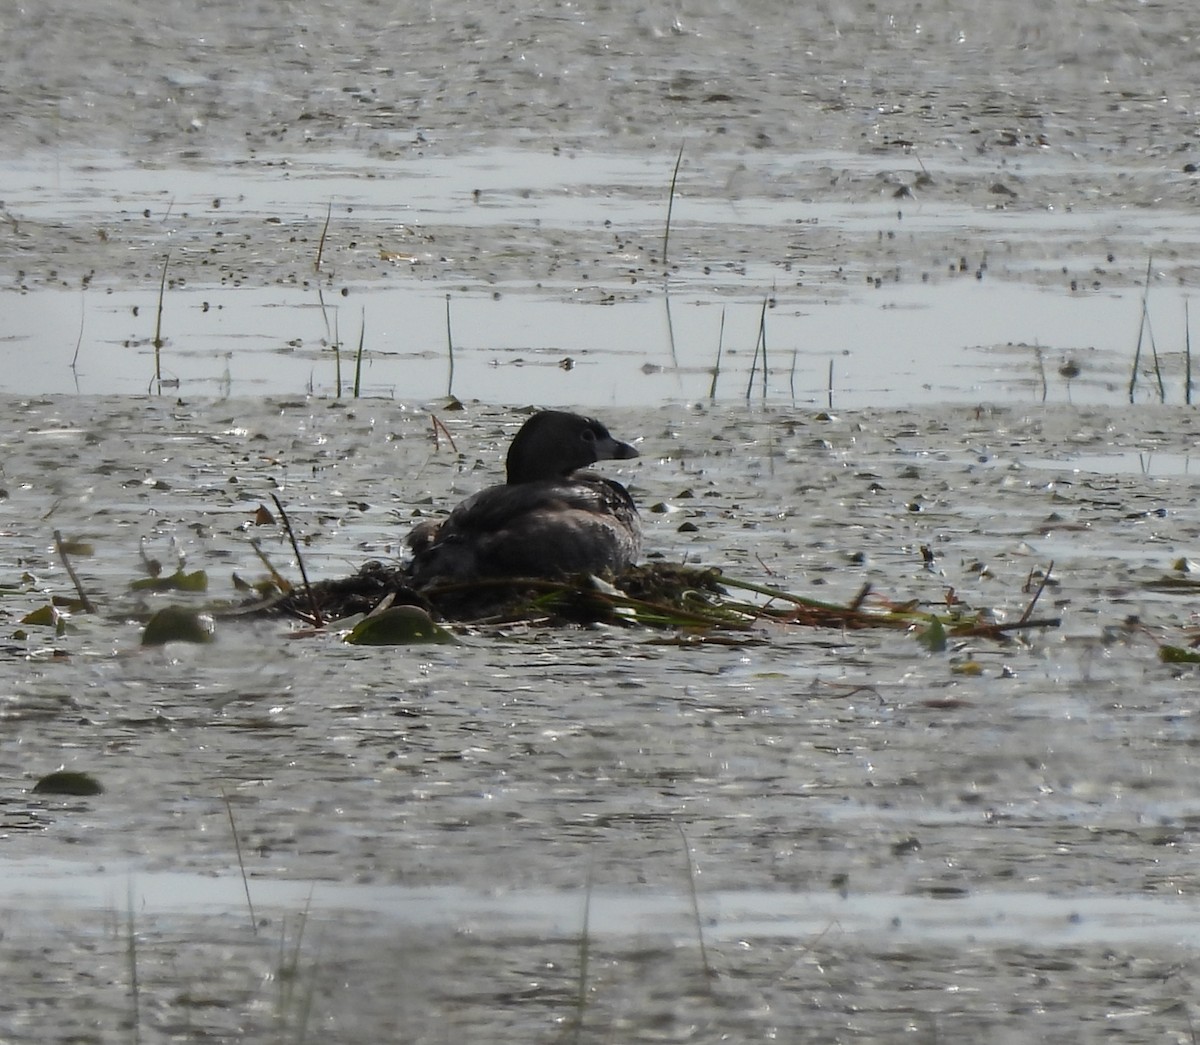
1013 821
949 202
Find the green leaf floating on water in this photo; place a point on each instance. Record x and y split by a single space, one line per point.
934 636
1178 655
42 615
398 626
178 581
50 616
177 624
68 782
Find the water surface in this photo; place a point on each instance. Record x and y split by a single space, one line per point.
958 218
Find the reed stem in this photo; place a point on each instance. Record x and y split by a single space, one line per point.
671 205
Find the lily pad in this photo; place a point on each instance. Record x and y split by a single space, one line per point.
68 782
178 624
178 581
398 626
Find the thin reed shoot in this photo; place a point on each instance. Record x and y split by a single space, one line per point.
158 338
337 356
691 877
1144 329
85 603
79 339
449 350
439 429
297 992
671 206
324 233
716 371
584 955
314 605
1187 353
237 845
358 359
135 1016
760 347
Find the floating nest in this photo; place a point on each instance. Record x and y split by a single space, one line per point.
658 595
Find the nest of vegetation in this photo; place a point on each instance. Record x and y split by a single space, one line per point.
658 595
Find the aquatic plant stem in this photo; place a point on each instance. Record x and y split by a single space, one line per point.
449 349
309 997
289 967
670 327
277 578
1187 353
362 334
439 427
861 597
671 206
691 876
135 1018
158 340
337 354
1041 362
79 339
1037 594
716 372
584 953
1162 388
762 337
1137 351
312 599
237 845
760 345
321 241
85 602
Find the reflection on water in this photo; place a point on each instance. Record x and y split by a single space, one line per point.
1135 463
1075 919
555 292
898 346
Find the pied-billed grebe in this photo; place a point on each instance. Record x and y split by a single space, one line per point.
547 520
